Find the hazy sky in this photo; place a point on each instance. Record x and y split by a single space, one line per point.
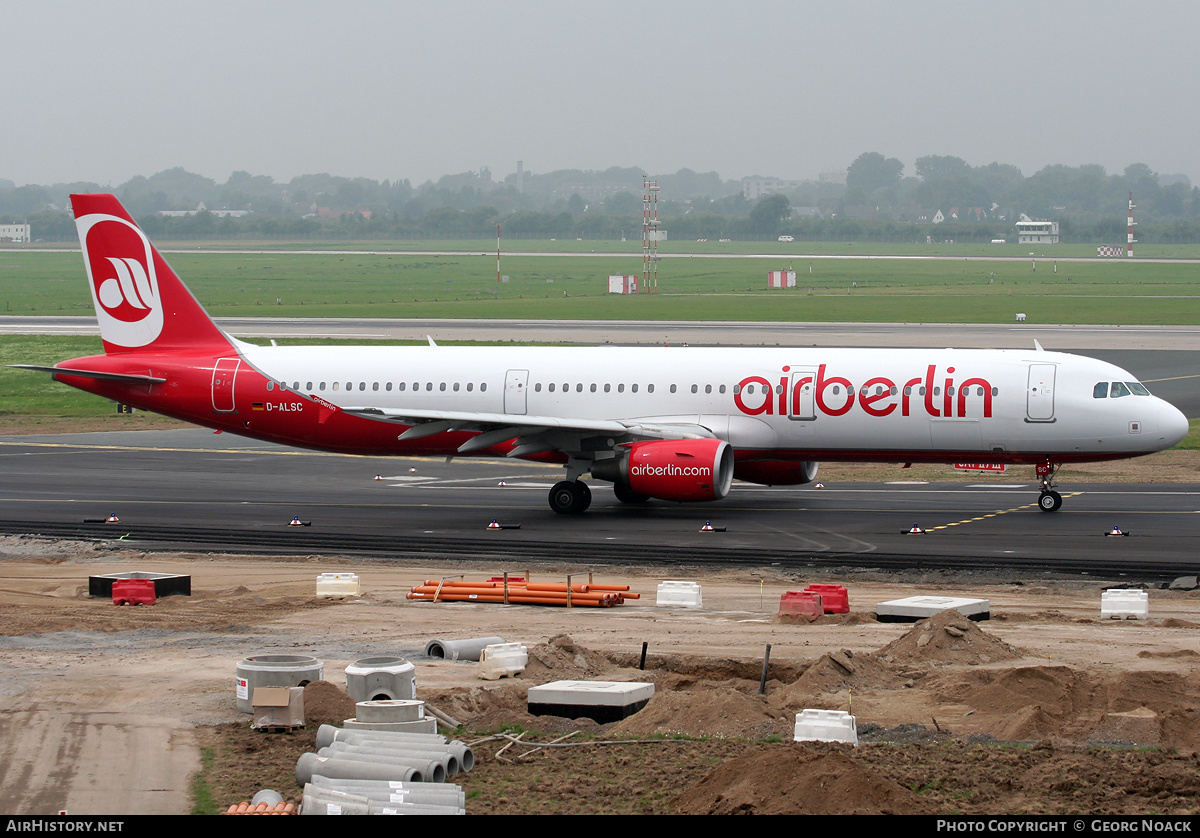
106 89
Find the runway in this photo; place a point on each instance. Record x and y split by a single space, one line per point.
196 490
1064 338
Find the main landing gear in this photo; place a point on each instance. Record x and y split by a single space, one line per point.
570 497
1049 500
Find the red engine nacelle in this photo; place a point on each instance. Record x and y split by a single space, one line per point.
775 472
680 470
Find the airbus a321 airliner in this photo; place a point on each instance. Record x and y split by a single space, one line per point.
675 424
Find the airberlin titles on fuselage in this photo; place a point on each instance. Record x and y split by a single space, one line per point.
802 392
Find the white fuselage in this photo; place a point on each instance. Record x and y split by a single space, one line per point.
836 403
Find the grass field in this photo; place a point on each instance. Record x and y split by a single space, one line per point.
285 284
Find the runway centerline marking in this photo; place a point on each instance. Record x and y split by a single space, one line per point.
995 514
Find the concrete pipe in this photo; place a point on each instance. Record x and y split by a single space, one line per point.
431 770
439 794
447 760
328 734
269 796
318 801
274 671
381 678
460 750
348 769
460 650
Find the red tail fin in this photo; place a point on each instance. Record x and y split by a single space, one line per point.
140 302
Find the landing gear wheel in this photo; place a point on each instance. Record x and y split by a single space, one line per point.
628 495
570 497
1049 501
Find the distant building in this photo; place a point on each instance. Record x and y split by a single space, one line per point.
16 233
219 213
754 188
1036 232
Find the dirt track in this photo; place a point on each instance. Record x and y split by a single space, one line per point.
92 689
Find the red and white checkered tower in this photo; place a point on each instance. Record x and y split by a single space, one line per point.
1129 239
650 235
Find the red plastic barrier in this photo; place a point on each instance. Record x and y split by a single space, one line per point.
133 592
801 605
837 599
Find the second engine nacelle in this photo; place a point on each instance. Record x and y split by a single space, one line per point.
775 472
673 469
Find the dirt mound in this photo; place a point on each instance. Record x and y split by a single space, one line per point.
719 710
326 703
838 671
1177 653
797 780
1059 703
560 659
947 637
501 702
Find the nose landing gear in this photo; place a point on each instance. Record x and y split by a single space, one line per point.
1049 500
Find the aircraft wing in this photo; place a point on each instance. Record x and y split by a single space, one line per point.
533 434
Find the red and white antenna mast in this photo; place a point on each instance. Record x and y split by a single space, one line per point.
1129 239
650 235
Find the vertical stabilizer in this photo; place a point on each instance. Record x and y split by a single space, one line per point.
140 301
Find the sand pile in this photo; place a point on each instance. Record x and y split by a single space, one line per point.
797 780
947 637
718 710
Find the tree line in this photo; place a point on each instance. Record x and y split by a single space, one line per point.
877 202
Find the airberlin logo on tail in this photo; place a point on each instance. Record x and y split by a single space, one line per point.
120 265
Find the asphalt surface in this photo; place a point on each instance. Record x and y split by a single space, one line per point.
194 489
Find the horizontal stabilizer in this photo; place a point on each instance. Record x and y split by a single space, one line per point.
128 378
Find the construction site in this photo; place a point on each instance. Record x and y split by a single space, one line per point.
1043 707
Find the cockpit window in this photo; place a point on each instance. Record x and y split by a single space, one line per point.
1137 389
1100 391
1118 390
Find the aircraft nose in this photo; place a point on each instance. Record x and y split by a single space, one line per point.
1173 425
